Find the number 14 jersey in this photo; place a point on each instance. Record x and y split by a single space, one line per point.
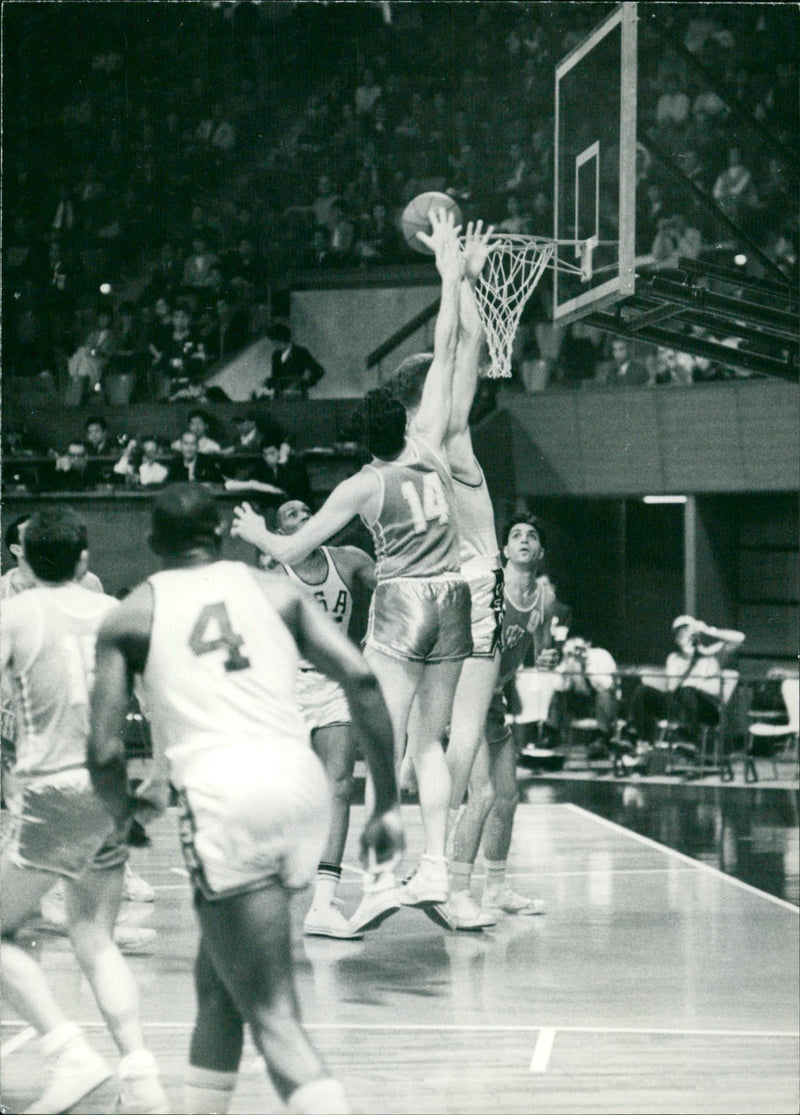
416 530
221 666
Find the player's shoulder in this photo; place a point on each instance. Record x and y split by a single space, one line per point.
350 558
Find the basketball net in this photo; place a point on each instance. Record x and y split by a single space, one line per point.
514 266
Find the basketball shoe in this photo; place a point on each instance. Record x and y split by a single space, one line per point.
428 884
74 1071
508 901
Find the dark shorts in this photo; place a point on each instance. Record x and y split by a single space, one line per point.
421 620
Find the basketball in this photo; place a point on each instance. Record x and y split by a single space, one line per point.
416 217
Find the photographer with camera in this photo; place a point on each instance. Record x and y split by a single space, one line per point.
586 687
694 680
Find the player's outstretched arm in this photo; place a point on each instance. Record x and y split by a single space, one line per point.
351 497
468 348
121 649
433 415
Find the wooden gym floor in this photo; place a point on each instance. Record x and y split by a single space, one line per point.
654 983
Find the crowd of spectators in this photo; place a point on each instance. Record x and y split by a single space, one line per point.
186 164
256 455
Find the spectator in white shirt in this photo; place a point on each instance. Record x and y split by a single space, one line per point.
149 471
694 680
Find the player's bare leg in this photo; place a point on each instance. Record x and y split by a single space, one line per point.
92 905
76 1069
497 895
470 706
247 939
429 886
215 1051
399 679
336 749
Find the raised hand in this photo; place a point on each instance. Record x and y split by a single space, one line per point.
248 525
476 249
443 242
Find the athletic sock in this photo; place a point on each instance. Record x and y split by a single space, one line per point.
321 1097
460 876
495 876
327 879
206 1090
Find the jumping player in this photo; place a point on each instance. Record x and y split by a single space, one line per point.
216 644
479 551
57 827
329 574
418 632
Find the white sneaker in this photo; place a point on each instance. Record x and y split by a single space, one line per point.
74 1073
428 885
140 1092
327 921
465 914
133 938
135 888
374 908
509 902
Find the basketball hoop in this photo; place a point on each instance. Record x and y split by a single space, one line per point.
514 266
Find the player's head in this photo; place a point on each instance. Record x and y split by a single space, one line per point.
55 545
291 515
185 519
386 420
523 540
13 537
408 381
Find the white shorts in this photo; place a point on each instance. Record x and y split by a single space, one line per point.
322 702
486 615
55 823
252 813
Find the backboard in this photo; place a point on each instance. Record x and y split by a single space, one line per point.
595 167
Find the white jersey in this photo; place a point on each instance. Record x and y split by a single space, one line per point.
49 635
332 595
478 539
220 669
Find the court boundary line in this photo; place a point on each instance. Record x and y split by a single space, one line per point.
675 854
480 1028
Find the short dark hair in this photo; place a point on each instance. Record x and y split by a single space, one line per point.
532 521
407 382
279 332
197 413
11 535
95 420
53 543
385 418
184 516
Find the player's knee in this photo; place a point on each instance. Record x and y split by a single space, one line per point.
342 788
481 798
506 801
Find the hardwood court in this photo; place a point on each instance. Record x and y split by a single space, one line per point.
653 984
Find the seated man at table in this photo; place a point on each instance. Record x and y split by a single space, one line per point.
586 688
693 695
73 471
191 465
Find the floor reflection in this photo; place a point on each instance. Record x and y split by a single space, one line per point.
749 833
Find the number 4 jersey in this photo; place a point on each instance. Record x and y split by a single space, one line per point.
221 666
415 531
